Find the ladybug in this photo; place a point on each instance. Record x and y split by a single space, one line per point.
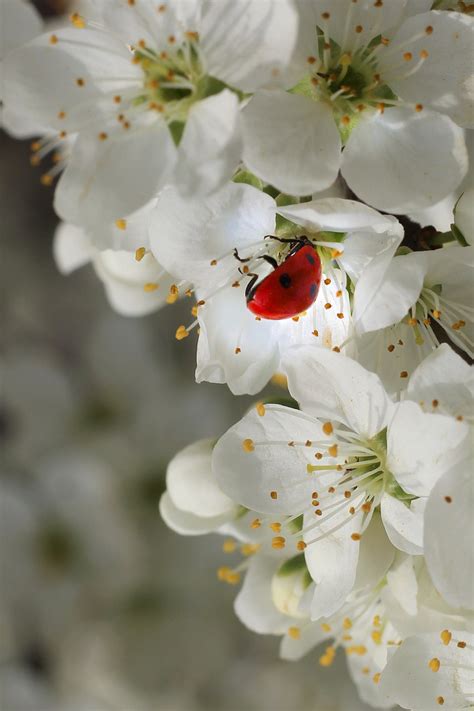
293 285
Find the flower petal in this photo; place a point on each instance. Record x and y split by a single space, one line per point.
335 214
376 555
386 290
409 680
421 447
186 235
464 215
191 484
330 386
234 347
41 78
449 532
105 180
71 248
402 161
185 523
291 142
134 288
254 605
211 145
404 523
249 477
444 80
332 561
249 44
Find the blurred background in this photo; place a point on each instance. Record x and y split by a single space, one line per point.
101 606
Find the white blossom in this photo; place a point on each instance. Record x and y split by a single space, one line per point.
390 88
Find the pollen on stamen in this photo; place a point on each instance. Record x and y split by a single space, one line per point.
328 429
418 108
328 657
278 542
332 450
150 286
248 445
229 546
140 253
260 407
356 536
274 495
461 645
446 637
429 30
311 60
77 21
440 700
53 39
80 81
327 306
173 294
345 120
46 180
424 54
294 632
181 333
256 523
315 333
434 664
300 546
436 313
275 526
448 499
376 678
359 29
404 374
237 350
407 56
213 262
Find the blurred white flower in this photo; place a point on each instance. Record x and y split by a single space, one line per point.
400 308
349 451
390 88
196 241
20 23
142 80
134 282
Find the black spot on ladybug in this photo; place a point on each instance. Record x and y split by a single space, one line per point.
310 258
313 290
285 280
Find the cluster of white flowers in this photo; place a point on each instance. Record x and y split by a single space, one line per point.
237 152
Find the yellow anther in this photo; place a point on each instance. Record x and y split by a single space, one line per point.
121 224
280 380
260 407
78 21
181 332
256 523
150 286
407 56
276 526
346 623
440 700
248 445
249 549
274 495
46 180
325 627
229 546
424 54
140 253
376 636
328 429
434 664
436 313
278 542
376 678
53 39
356 536
376 621
335 253
300 546
294 632
173 294
332 450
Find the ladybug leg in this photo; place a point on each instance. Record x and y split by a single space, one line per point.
270 260
251 283
239 258
287 240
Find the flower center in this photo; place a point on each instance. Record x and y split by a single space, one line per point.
172 78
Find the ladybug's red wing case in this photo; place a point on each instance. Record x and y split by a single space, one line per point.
290 289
